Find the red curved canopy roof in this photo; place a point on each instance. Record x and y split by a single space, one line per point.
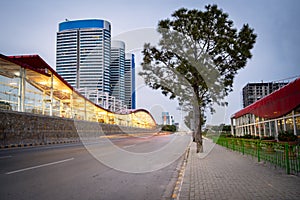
276 104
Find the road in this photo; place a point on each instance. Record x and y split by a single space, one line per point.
146 168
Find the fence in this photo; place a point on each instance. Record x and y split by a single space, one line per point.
282 154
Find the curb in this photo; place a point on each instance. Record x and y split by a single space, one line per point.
36 144
178 185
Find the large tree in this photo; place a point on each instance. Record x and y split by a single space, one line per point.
197 57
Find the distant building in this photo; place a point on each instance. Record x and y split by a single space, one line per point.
167 119
130 81
117 70
255 91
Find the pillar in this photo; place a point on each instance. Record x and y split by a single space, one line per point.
51 96
21 91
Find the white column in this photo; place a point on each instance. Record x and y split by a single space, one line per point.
72 105
264 126
270 129
232 131
259 129
85 113
254 124
276 129
294 123
21 91
51 96
43 103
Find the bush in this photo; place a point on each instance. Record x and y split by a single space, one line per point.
268 138
171 128
248 136
287 136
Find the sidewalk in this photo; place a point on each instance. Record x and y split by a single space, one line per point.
222 174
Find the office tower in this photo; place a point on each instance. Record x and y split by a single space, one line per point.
117 70
83 54
167 119
130 81
255 91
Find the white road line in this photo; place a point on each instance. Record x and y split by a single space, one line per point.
129 146
5 157
38 166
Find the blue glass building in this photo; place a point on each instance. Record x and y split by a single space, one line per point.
117 70
83 54
130 81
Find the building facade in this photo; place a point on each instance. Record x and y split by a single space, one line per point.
28 84
83 54
130 81
167 119
117 70
275 113
255 91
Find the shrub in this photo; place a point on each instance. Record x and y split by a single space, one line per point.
268 138
287 136
171 128
248 136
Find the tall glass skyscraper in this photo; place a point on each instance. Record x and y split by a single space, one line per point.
117 70
130 81
83 54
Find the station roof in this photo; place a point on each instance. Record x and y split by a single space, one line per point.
38 73
276 104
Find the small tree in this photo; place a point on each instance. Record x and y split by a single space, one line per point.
171 128
198 56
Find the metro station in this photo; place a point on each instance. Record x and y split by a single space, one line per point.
275 113
29 84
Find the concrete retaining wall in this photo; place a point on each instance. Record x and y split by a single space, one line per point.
22 129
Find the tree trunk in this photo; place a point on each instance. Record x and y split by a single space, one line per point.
199 141
198 134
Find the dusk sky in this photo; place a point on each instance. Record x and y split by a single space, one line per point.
29 27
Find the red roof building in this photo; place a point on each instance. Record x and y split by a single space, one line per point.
279 111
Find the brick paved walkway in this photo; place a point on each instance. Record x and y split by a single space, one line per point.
223 174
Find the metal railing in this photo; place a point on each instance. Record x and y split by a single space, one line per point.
282 154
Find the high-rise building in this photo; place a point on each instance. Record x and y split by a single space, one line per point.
167 119
117 70
130 81
255 91
83 54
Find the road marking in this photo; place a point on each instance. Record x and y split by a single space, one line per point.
5 157
39 166
129 146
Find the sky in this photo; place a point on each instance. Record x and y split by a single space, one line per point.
30 27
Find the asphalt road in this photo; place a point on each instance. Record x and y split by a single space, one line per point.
106 168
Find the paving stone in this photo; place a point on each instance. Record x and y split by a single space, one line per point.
223 174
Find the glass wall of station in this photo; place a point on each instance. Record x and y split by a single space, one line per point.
257 126
52 97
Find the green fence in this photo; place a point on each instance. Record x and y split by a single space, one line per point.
284 155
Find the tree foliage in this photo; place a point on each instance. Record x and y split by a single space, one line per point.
198 55
171 128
